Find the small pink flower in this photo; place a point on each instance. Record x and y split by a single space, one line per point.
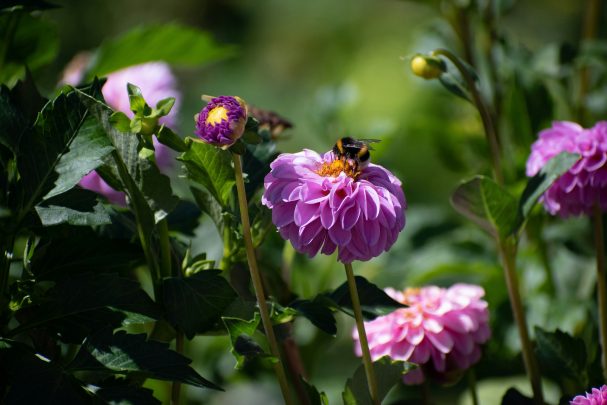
156 82
442 331
584 185
319 203
598 396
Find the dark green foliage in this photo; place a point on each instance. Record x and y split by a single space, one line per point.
563 357
188 47
194 304
123 353
486 203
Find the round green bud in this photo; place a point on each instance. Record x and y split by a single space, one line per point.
428 67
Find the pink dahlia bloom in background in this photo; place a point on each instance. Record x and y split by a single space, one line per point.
156 82
442 331
584 185
320 205
598 396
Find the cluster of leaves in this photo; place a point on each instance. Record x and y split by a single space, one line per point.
521 93
77 319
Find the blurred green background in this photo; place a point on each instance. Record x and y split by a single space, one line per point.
335 68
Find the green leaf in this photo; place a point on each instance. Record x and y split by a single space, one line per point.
167 137
211 167
388 373
314 397
209 205
13 121
538 184
80 250
455 86
121 391
147 188
75 207
120 121
26 5
86 292
136 101
164 106
181 45
317 312
562 355
123 353
22 369
66 144
241 333
256 164
374 301
28 41
194 304
487 204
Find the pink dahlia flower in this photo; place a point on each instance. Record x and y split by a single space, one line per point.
598 396
156 82
442 331
584 185
320 203
221 122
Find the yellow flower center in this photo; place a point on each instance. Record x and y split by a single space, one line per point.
216 115
334 168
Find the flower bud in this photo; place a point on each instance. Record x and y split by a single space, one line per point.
428 67
222 121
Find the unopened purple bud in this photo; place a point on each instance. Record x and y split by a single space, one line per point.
222 121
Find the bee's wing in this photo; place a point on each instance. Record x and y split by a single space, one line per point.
367 142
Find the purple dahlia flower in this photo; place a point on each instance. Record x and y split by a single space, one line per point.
441 330
320 205
221 122
156 82
584 185
598 396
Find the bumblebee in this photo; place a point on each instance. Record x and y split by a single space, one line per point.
354 151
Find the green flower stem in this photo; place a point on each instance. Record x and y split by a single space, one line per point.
472 386
362 335
256 278
176 386
165 249
143 237
484 112
601 285
508 252
166 270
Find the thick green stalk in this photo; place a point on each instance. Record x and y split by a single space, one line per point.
483 110
508 253
601 285
362 335
256 279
